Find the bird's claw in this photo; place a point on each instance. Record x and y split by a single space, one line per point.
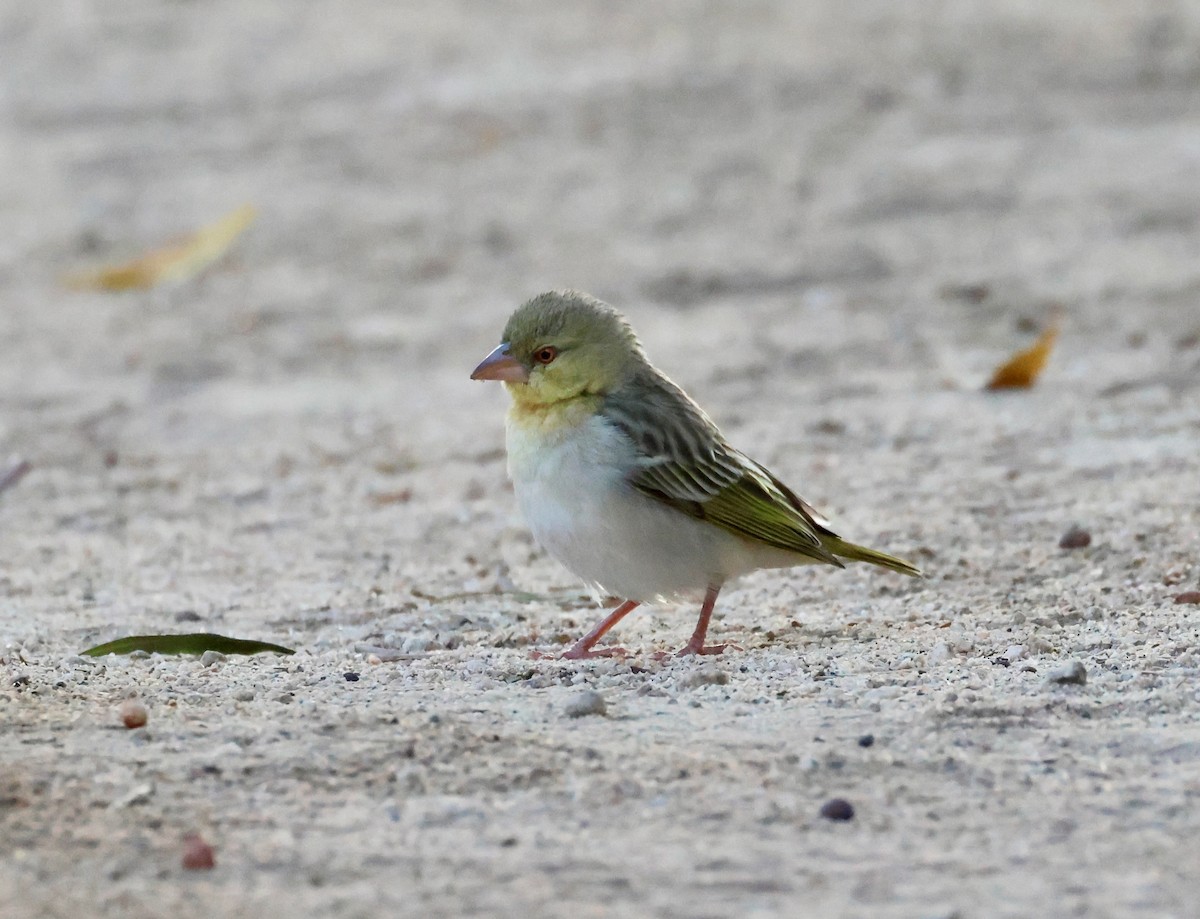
689 648
583 654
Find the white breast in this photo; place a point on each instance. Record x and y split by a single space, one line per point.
573 490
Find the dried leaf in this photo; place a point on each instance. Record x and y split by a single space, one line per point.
1023 368
170 263
192 643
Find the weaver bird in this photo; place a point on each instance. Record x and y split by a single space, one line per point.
627 482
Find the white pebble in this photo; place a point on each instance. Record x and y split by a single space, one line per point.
588 702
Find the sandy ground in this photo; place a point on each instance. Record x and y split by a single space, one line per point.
829 221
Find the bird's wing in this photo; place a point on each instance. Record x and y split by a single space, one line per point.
684 462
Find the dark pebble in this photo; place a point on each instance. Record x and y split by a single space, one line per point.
1075 538
1190 596
867 740
1073 673
197 854
837 809
350 676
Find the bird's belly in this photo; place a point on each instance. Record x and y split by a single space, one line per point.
583 511
621 541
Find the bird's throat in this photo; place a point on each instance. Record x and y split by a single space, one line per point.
531 411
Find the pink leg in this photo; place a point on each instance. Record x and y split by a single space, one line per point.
582 649
696 643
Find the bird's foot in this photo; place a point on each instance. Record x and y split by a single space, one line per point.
690 649
582 654
697 648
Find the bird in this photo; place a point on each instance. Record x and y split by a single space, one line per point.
626 481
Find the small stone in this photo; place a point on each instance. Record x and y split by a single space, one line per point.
588 702
709 675
187 615
415 644
867 740
938 653
133 714
197 854
1072 673
350 676
1075 538
244 695
1188 596
837 809
1011 655
135 797
210 657
374 659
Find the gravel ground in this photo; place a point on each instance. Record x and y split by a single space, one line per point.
829 222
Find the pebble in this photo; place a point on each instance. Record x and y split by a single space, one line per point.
133 714
244 695
1189 596
1072 673
350 676
588 702
837 809
197 854
938 653
1037 645
210 657
867 740
1075 538
135 797
709 675
1012 654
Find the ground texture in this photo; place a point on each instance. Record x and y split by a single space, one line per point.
829 222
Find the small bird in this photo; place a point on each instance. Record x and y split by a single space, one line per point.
627 482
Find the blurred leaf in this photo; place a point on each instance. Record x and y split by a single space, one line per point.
170 263
192 643
1023 368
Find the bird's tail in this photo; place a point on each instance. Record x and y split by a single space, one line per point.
843 549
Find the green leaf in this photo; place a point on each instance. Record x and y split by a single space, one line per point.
192 643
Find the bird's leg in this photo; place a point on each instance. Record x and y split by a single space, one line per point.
582 649
696 643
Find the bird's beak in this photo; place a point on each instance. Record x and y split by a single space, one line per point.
500 365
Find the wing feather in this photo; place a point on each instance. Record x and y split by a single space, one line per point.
684 462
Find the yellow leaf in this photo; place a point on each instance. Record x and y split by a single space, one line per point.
1023 368
169 263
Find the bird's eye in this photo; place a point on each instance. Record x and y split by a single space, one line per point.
546 354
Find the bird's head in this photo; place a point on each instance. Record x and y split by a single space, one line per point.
560 345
